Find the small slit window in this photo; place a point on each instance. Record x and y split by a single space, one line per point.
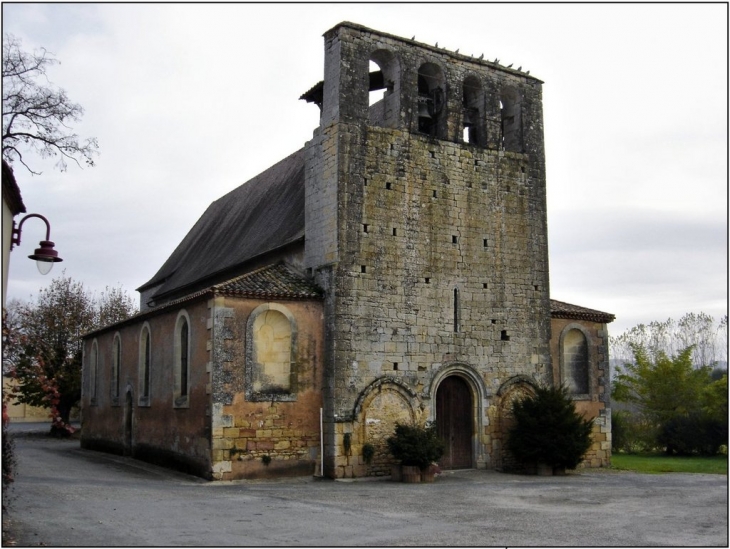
456 309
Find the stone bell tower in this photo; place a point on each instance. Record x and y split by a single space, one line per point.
426 225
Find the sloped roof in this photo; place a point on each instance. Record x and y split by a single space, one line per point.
259 216
274 281
11 191
560 309
277 281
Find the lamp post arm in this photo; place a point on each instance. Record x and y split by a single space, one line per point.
15 240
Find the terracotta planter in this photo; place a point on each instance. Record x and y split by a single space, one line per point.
411 473
429 475
395 473
544 470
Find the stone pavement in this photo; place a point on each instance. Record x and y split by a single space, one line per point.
65 496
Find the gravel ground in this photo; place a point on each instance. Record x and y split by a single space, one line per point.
66 496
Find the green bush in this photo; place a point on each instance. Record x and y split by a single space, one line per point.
692 434
631 433
548 430
416 445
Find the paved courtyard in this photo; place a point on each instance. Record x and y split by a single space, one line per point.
65 496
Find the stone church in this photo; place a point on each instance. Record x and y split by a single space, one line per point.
393 269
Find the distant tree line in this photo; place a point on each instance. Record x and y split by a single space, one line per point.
670 386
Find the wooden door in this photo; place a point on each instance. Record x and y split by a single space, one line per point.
454 422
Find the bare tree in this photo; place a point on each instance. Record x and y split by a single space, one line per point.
707 338
36 114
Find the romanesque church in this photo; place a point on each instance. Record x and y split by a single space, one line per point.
394 269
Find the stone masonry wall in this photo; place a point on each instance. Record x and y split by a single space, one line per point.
597 404
247 434
441 250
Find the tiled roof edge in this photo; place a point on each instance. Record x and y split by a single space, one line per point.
560 309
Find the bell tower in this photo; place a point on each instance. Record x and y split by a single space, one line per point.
425 223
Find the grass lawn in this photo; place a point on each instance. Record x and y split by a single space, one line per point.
660 463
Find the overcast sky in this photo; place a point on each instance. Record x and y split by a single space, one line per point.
188 101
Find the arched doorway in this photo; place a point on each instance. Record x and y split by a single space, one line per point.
454 422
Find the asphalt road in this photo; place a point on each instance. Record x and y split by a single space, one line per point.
65 496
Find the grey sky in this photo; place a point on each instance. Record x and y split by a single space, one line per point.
190 100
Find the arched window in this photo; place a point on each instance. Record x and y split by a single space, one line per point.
431 101
510 104
384 75
145 365
93 370
116 368
182 361
575 362
270 366
473 112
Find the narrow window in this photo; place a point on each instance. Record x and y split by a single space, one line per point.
427 280
116 363
388 186
485 285
395 366
365 227
472 112
504 336
145 365
184 358
146 379
363 268
454 239
395 231
485 242
93 370
456 310
575 362
510 105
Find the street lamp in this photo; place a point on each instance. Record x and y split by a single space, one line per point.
45 256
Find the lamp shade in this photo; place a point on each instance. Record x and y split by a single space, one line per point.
45 256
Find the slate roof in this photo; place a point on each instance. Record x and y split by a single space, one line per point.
274 281
259 216
560 309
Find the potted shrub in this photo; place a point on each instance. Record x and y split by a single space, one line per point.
416 447
548 433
